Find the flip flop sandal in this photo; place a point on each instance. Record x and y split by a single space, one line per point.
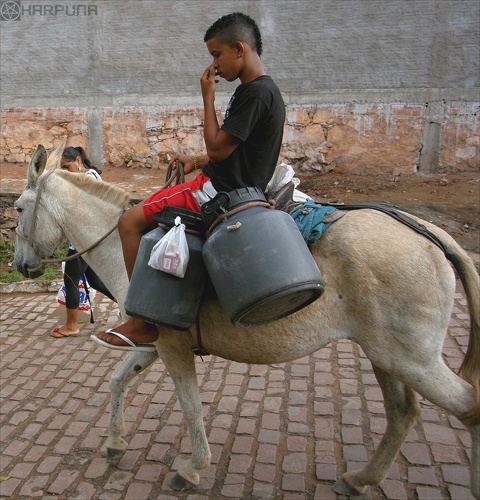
61 335
131 347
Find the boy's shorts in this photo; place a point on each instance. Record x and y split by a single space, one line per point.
189 195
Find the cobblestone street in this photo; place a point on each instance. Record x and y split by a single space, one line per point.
283 431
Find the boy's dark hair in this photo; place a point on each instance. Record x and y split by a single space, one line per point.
234 27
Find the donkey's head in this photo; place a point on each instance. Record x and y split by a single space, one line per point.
38 233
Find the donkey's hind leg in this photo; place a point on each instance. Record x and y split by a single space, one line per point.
132 365
402 411
441 386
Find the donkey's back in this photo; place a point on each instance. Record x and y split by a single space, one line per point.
384 285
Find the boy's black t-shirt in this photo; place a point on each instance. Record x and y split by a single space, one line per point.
256 116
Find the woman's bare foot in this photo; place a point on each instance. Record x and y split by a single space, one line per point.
137 330
64 331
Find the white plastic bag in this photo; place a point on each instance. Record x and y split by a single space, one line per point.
282 175
170 254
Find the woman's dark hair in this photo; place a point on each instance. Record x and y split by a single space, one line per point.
73 152
234 27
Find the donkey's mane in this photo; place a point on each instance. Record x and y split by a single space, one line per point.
107 192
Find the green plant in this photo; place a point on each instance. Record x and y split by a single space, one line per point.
14 276
7 249
10 275
50 274
62 251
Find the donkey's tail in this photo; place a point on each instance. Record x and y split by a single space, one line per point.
466 270
470 368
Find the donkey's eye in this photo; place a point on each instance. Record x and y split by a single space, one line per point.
18 209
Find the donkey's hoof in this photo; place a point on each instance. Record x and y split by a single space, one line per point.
179 483
113 454
341 487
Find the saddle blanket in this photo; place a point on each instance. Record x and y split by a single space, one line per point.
309 219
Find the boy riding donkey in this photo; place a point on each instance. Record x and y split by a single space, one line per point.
242 152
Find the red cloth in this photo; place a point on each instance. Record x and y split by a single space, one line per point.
179 196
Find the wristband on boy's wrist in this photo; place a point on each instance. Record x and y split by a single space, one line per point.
195 162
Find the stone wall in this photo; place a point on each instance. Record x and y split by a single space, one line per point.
370 86
8 217
375 137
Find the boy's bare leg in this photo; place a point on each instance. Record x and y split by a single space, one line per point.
131 226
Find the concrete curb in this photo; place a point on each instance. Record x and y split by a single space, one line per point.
31 286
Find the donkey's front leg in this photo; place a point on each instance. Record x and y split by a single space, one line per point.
133 364
180 364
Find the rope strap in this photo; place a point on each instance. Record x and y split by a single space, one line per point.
235 211
73 256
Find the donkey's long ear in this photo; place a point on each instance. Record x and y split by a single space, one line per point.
36 165
55 158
